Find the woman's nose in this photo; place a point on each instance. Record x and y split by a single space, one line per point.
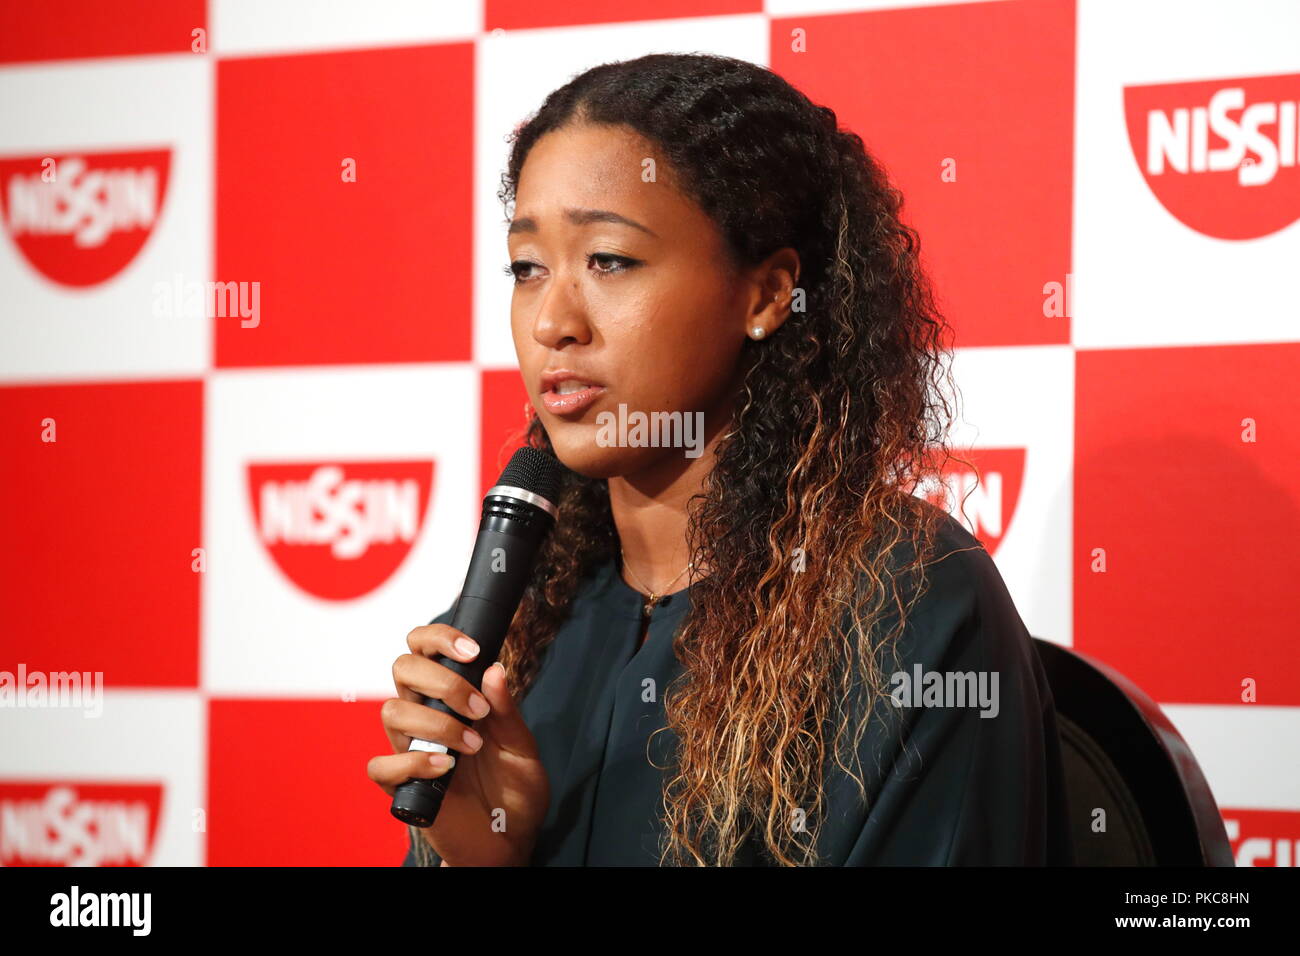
561 316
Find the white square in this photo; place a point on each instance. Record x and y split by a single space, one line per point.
264 634
1023 398
141 737
115 328
1142 277
247 27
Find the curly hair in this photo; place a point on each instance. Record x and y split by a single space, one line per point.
809 517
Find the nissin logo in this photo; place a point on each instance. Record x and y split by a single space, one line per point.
983 502
1220 155
80 219
339 530
78 824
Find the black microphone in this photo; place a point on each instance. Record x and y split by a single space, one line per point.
518 512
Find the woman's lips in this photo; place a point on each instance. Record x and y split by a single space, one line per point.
573 402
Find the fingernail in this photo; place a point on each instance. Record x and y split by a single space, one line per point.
472 740
478 706
466 646
442 760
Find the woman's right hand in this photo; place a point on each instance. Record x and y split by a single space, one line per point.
499 795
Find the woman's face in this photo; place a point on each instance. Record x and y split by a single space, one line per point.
623 283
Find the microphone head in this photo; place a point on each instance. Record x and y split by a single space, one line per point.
534 471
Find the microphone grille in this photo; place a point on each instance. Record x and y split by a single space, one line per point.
536 471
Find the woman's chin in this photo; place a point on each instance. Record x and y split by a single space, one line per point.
588 459
577 449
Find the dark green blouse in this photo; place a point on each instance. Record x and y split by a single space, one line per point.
946 786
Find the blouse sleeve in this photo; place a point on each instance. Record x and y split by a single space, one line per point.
969 778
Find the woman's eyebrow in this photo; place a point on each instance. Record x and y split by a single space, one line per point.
581 217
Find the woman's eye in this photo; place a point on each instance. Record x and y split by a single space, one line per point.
621 264
514 267
624 262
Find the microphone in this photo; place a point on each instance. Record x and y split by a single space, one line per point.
518 512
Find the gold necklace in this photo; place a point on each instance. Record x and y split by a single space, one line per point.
653 598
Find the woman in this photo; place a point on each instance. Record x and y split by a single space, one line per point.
712 661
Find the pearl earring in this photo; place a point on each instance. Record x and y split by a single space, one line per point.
758 332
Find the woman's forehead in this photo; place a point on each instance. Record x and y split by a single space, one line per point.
599 167
584 172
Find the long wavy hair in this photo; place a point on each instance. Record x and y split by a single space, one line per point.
811 500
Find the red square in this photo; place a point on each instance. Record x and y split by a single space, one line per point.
372 270
1198 526
287 785
982 90
96 572
64 29
504 417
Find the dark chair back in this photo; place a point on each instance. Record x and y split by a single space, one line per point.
1122 755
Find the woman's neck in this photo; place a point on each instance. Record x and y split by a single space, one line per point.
650 513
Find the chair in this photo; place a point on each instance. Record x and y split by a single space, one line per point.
1122 754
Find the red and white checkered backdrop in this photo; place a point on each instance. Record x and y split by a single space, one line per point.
235 507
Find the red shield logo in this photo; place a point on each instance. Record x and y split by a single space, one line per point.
78 824
80 218
1222 156
339 530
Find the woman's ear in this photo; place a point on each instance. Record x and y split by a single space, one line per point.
776 293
